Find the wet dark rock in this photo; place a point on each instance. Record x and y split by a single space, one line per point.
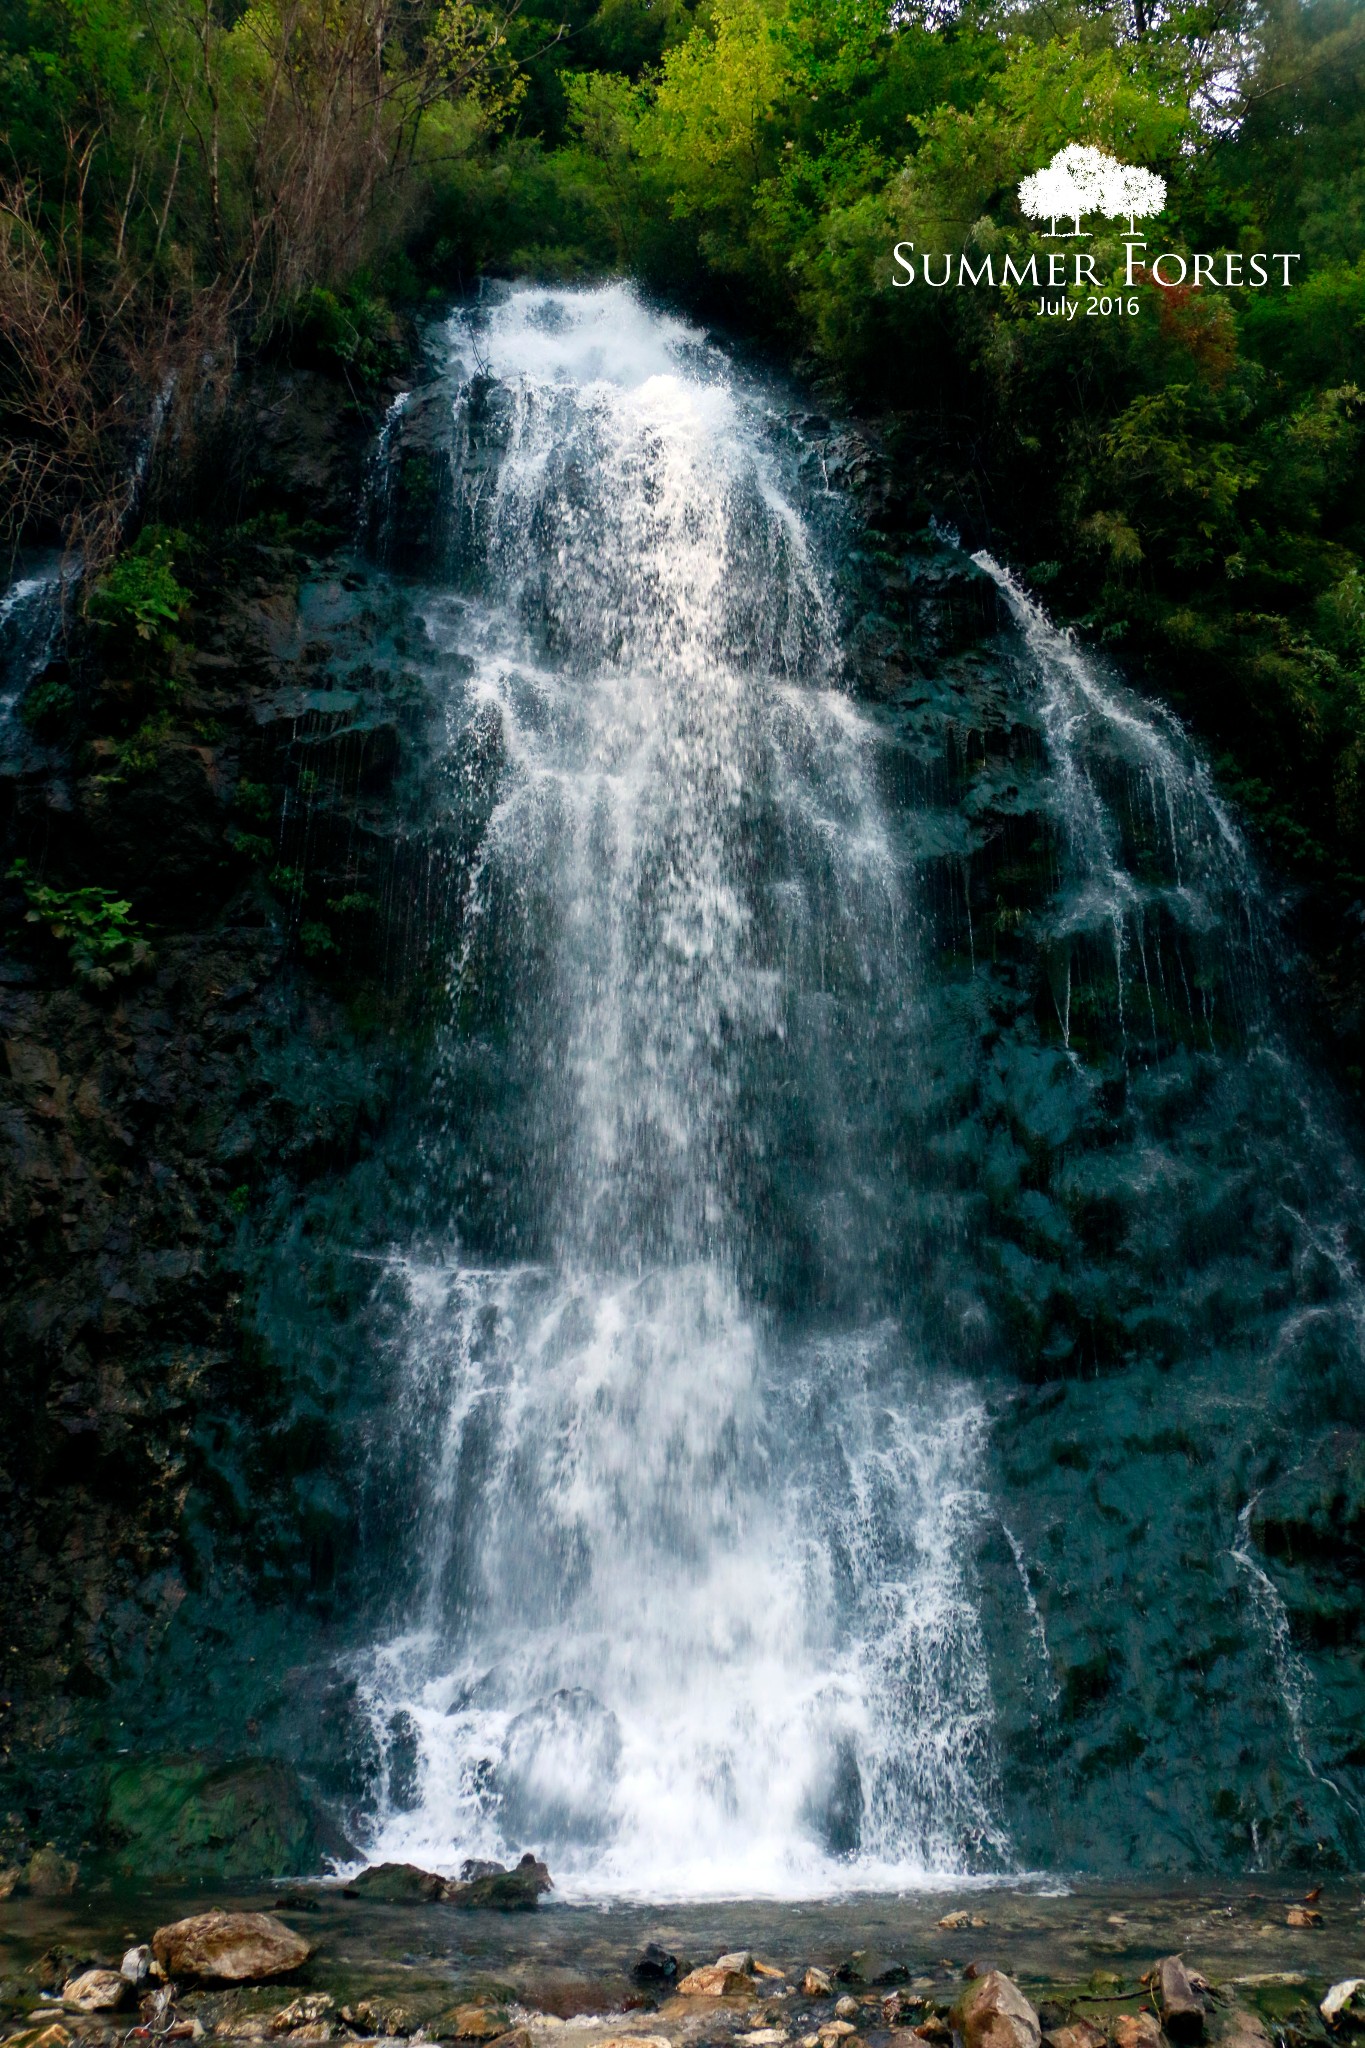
1319 1507
655 1966
395 1884
1343 2006
509 1891
378 2016
229 1948
188 1818
868 1967
1182 2013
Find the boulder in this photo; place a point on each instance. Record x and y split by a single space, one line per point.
185 1817
510 1891
11 1880
96 1991
1344 2005
1303 1916
713 1981
397 1884
50 1875
740 1959
655 1965
136 1966
1182 2015
230 1948
817 1983
1137 2030
994 2013
54 2036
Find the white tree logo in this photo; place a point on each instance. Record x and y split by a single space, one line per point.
1082 180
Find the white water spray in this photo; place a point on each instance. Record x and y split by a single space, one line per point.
696 1612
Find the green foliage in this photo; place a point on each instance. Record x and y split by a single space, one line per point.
48 705
316 940
351 334
97 927
140 598
254 800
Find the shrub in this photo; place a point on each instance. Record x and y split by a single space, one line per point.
141 598
97 928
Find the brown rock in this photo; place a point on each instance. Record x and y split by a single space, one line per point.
51 1875
55 2036
935 2029
96 1991
994 2013
302 2012
817 1983
11 1881
1297 1916
1079 2033
1137 2030
1245 2030
375 2017
477 2023
230 1948
711 1981
1181 2013
846 2008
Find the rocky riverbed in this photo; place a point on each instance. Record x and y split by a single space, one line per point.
990 1968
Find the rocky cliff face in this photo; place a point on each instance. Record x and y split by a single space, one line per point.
199 1157
149 1454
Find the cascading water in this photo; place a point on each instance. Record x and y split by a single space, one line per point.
30 611
695 1611
864 1233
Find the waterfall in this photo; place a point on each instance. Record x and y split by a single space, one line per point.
30 612
865 1224
693 1608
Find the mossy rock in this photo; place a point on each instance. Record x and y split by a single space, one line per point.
185 1817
